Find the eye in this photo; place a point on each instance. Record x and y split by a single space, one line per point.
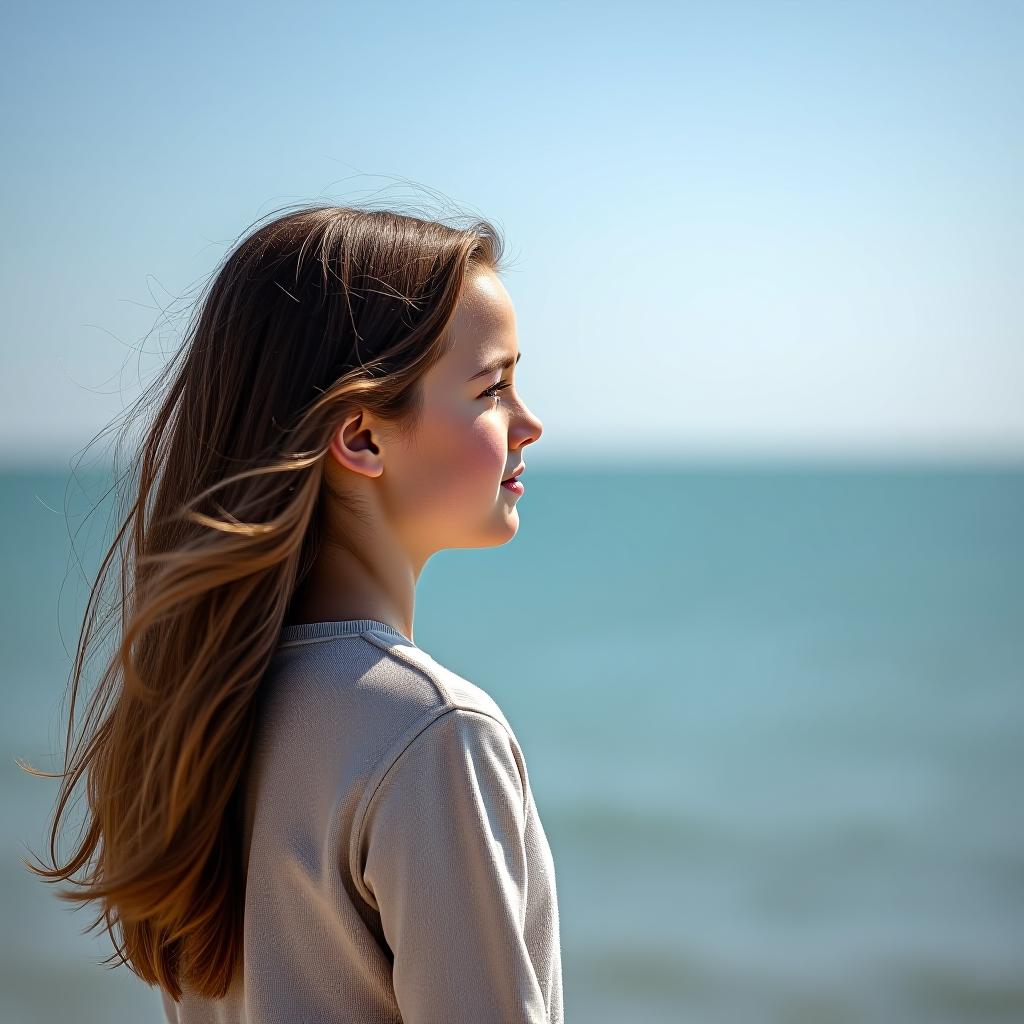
492 391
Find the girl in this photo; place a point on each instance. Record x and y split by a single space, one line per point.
296 813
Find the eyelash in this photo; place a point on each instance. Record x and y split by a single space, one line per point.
500 386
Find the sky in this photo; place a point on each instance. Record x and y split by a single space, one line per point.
733 230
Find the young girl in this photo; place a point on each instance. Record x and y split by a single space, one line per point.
295 813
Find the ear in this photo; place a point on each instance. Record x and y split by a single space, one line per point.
356 445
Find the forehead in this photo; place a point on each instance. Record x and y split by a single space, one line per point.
484 323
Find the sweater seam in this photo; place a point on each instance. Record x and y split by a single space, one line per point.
393 652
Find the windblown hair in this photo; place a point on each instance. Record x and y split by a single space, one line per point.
316 313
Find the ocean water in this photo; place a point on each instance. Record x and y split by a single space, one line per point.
773 719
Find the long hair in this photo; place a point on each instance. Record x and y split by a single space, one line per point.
318 312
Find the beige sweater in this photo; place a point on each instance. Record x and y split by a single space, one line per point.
398 870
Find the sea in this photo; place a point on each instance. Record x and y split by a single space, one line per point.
772 714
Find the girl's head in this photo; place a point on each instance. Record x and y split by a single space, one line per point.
338 385
434 481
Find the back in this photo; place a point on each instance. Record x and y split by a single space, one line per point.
398 870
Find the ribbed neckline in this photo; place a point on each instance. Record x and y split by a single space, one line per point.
338 627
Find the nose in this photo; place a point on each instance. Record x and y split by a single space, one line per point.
527 427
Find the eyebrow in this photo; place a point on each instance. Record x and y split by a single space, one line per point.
501 363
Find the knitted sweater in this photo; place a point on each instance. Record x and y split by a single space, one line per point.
397 869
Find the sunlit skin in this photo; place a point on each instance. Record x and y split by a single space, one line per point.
439 488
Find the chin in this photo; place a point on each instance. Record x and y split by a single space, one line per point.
511 526
506 530
495 536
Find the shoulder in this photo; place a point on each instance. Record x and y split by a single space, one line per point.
465 720
455 717
435 687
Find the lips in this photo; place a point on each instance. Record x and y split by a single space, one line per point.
515 473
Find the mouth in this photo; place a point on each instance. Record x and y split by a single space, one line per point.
513 483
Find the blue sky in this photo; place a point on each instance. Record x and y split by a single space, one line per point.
734 229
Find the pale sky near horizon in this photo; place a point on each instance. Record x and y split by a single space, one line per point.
734 229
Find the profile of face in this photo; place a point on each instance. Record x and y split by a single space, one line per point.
440 486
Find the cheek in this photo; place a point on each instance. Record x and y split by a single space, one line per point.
463 455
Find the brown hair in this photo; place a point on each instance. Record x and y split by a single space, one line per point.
318 312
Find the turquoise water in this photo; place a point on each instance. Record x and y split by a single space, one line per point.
773 719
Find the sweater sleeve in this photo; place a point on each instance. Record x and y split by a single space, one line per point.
445 860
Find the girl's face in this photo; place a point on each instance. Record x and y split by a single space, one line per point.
441 487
